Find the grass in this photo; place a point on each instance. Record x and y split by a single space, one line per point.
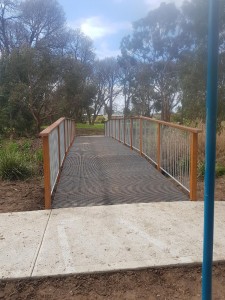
87 126
86 129
18 160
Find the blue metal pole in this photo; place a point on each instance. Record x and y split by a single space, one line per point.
211 115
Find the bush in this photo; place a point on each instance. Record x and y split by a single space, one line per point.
18 161
201 169
39 156
100 120
219 171
13 166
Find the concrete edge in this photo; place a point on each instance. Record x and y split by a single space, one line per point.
188 265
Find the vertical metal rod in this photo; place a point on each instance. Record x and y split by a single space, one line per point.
119 130
211 114
141 135
131 133
47 179
193 174
159 147
64 126
59 142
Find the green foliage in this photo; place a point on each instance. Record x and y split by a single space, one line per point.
39 156
13 166
176 118
45 67
100 119
219 171
18 161
201 169
153 49
26 147
88 126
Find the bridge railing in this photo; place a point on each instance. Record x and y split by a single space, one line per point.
57 138
172 148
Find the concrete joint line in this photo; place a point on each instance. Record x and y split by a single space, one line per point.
39 248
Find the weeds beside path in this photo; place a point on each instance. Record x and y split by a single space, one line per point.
21 179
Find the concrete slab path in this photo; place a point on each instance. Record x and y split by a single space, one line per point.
105 238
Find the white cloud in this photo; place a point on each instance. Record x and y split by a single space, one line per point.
96 27
105 51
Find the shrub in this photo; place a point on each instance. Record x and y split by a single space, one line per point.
219 171
26 147
39 156
17 161
100 120
13 166
201 169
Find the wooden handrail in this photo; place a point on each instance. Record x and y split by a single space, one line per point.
174 125
69 134
49 129
193 146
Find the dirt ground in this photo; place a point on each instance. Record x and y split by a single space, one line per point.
219 189
183 283
21 195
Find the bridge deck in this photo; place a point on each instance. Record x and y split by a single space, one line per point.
101 171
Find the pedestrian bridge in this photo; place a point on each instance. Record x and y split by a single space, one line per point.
139 160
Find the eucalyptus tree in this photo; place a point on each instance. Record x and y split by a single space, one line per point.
193 61
8 20
33 76
42 22
128 70
75 89
29 34
155 43
105 81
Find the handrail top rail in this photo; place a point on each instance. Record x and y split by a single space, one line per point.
182 127
50 128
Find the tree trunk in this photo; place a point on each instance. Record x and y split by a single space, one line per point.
93 119
165 113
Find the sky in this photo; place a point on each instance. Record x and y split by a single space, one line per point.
106 22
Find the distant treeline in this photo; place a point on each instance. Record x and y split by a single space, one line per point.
48 70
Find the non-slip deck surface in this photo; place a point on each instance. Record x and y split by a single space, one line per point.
101 171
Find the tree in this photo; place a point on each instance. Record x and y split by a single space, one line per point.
33 75
45 68
42 22
106 78
75 87
143 91
193 60
155 43
110 74
128 68
8 18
